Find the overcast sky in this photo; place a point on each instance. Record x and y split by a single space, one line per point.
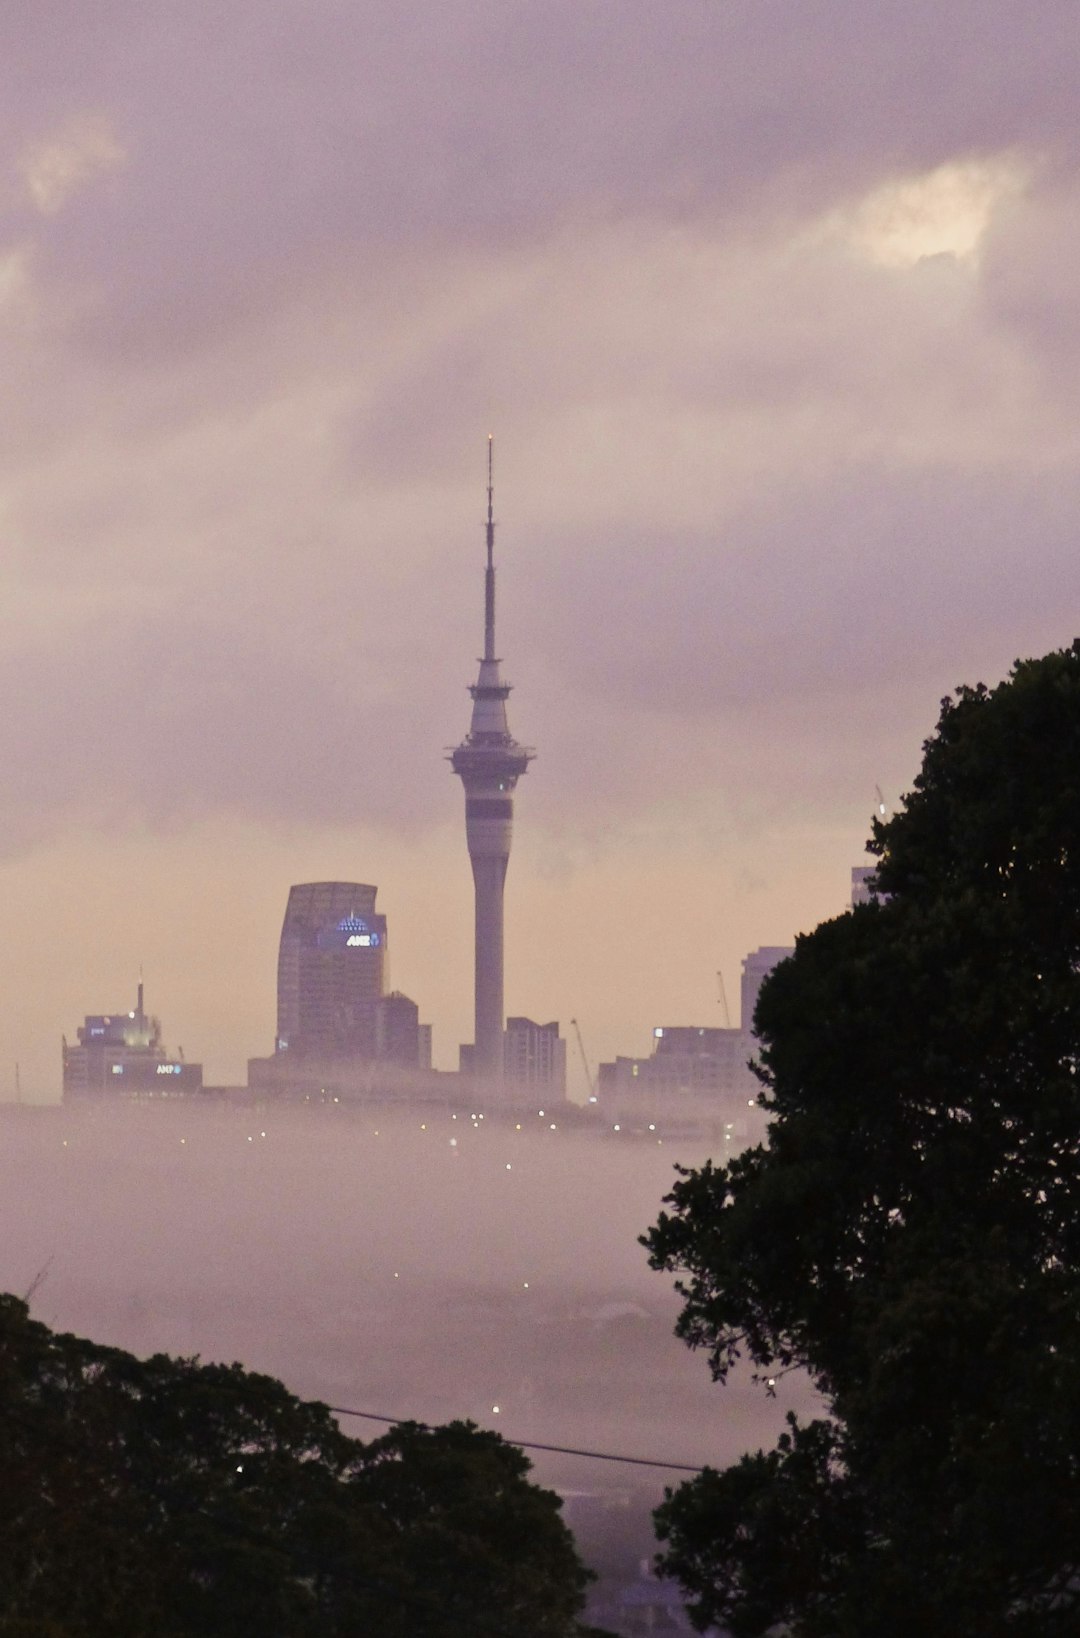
771 307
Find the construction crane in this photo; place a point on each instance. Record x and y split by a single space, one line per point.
590 1083
723 999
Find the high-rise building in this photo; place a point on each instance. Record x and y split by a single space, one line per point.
489 763
534 1055
120 1055
338 1031
756 968
331 972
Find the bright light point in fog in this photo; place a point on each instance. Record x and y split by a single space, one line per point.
494 1410
508 1165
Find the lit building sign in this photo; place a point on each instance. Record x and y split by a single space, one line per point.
169 1069
359 934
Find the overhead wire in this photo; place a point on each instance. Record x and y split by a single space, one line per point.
525 1444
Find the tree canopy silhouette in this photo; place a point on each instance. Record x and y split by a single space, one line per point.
909 1233
162 1498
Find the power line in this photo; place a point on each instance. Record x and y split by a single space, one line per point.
525 1444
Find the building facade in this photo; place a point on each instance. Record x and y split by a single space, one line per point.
756 968
534 1055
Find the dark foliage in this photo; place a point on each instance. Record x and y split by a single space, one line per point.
162 1498
910 1233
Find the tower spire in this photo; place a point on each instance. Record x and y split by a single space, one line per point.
489 573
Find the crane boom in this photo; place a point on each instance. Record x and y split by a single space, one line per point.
723 999
590 1083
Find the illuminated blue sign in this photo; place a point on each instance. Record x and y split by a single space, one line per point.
351 932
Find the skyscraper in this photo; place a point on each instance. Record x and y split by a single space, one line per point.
331 972
489 763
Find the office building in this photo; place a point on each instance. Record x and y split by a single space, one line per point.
489 762
338 1031
689 1064
331 972
119 1054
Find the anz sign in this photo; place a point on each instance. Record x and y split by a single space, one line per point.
359 936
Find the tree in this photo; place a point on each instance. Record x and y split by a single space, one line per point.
162 1498
909 1233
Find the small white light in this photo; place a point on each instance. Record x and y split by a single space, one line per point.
615 1128
494 1410
453 1143
652 1128
553 1127
240 1467
526 1285
508 1165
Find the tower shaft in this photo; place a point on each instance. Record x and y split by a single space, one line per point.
489 762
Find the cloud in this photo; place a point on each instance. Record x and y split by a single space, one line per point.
945 212
55 167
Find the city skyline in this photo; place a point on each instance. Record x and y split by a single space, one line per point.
770 321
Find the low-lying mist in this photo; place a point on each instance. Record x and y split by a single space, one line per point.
413 1264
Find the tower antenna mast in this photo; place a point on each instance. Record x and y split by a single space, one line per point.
489 573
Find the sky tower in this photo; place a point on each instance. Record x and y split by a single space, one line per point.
489 762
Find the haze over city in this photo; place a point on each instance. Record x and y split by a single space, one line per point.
770 312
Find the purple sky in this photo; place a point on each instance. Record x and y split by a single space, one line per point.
771 308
